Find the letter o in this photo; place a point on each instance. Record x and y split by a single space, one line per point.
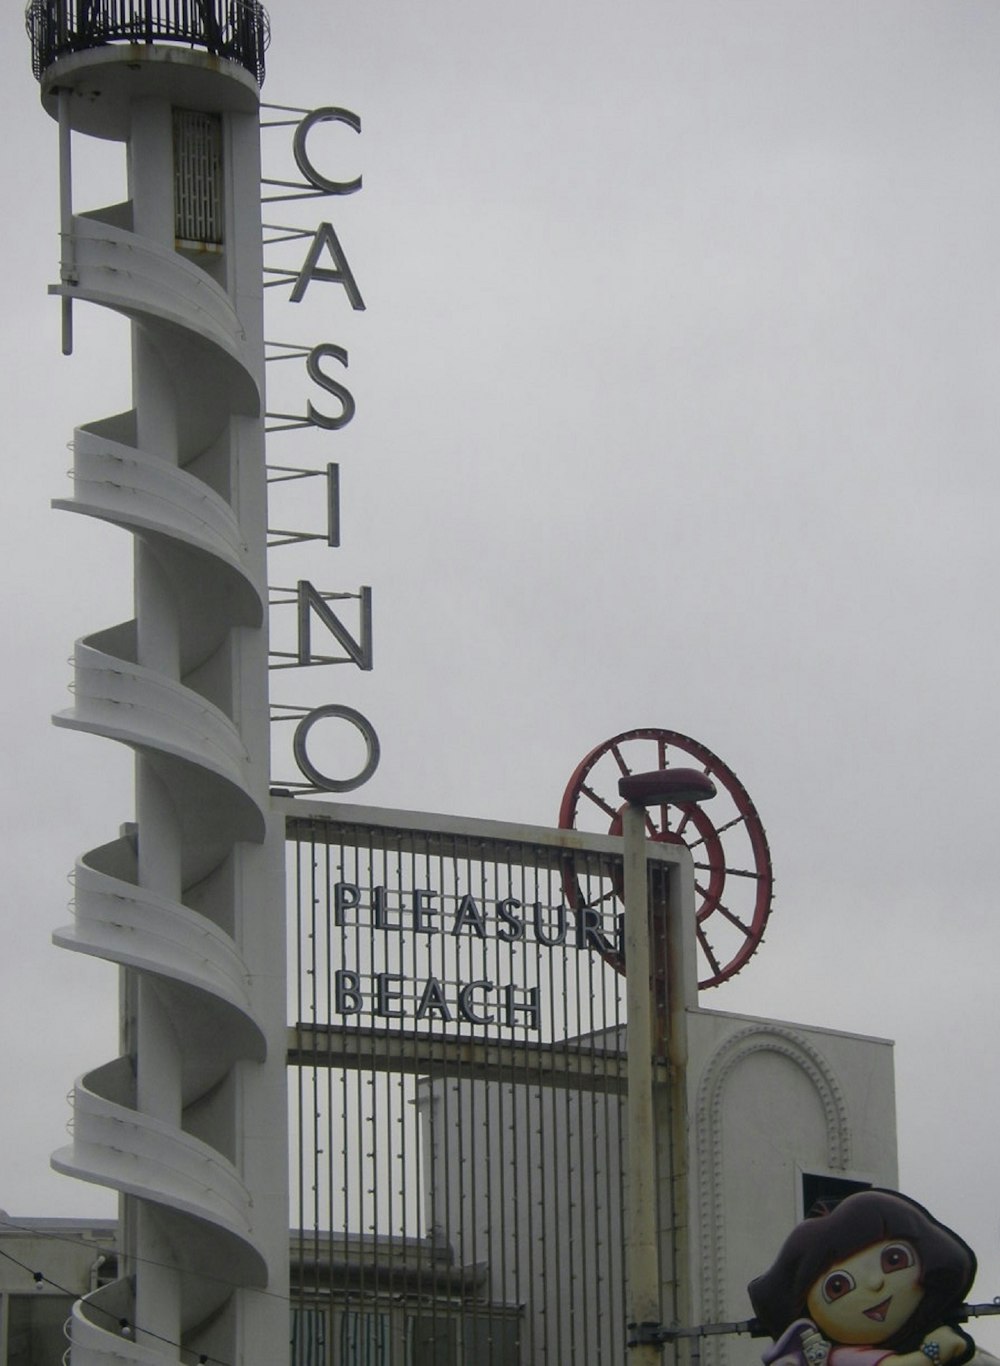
361 724
326 115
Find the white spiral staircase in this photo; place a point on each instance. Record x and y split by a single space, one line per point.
187 1123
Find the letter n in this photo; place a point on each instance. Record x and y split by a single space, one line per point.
360 650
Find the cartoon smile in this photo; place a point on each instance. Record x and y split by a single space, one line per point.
878 1311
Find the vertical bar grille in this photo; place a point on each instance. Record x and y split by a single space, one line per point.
198 178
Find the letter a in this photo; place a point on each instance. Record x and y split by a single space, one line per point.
326 237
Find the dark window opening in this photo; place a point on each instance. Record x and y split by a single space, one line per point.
820 1194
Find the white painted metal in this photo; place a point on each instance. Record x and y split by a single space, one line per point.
400 826
642 1261
188 1123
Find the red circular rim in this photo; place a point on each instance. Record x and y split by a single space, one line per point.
693 824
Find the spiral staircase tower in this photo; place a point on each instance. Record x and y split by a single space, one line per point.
188 1122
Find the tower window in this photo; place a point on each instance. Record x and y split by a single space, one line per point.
197 179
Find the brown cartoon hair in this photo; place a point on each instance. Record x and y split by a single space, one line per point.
947 1264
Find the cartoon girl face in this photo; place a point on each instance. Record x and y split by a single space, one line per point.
867 1298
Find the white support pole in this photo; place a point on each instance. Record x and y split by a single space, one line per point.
642 1259
658 999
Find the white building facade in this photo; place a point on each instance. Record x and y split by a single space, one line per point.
780 1116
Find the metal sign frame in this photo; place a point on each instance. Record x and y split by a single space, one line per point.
460 1177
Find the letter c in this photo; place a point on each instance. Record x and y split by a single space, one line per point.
465 1009
325 115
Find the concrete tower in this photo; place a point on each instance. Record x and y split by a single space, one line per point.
188 1121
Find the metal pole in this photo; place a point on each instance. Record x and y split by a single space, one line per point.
681 989
67 245
642 1260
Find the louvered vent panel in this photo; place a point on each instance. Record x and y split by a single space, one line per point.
198 178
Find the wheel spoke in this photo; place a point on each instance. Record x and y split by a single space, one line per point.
598 801
729 872
609 895
708 951
729 824
720 830
702 892
623 766
734 919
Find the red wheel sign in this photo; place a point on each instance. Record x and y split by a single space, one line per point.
732 863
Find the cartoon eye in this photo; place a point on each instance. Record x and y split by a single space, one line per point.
836 1285
896 1256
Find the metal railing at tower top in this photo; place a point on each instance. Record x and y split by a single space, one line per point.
235 29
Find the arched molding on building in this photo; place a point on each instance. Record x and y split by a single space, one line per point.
786 1043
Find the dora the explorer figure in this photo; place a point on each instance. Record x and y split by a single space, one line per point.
877 1280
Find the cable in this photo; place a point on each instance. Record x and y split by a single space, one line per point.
125 1327
7 1223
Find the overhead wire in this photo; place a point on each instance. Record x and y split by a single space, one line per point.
125 1326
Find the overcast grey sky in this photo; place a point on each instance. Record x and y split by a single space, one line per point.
677 406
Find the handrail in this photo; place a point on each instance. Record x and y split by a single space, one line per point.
235 29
